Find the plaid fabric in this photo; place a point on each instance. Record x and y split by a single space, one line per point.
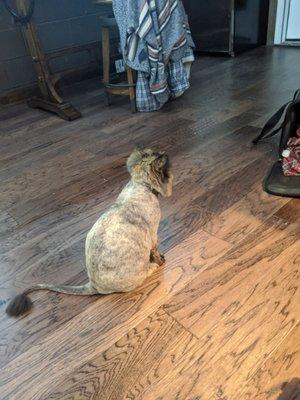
178 79
145 100
177 82
155 40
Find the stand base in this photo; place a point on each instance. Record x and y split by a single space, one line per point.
279 185
64 110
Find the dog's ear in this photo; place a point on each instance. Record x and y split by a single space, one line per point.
134 159
161 165
161 177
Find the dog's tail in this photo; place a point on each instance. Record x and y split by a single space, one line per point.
21 304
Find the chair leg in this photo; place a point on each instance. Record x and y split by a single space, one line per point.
133 106
106 70
130 80
108 98
106 61
105 54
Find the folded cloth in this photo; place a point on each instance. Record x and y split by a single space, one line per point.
155 41
291 156
177 83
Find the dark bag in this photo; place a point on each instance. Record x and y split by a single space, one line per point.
276 182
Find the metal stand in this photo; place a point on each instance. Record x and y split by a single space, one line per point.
49 99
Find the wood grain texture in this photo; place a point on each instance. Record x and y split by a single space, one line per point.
267 247
290 212
221 319
105 320
244 216
241 315
137 361
278 377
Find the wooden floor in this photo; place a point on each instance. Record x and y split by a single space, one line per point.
221 320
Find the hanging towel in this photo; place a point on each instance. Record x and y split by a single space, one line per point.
156 42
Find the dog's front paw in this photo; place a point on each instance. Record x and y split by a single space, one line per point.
157 258
162 259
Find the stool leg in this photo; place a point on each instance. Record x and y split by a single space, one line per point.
108 98
130 80
106 61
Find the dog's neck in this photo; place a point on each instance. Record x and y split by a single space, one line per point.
149 187
155 192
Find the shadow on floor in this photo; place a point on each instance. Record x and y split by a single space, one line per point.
290 390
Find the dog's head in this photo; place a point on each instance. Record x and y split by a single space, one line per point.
151 168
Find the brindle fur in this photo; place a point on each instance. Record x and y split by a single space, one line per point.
121 248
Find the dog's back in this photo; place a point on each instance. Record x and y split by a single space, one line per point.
119 244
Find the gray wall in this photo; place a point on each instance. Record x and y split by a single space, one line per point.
61 24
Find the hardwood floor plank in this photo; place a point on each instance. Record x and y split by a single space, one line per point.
171 230
247 214
137 361
214 162
250 259
229 191
7 223
25 185
278 377
255 314
291 211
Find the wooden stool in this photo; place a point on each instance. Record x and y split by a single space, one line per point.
121 89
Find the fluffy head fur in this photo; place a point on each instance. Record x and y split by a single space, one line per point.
151 168
19 305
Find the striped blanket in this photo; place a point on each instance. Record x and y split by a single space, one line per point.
155 41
